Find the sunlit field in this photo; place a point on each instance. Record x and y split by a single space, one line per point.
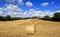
17 28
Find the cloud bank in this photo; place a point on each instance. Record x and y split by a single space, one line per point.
15 11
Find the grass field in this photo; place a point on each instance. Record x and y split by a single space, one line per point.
17 28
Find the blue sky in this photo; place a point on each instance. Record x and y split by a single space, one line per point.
29 8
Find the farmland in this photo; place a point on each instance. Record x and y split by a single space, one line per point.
17 28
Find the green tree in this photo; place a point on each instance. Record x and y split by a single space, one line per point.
46 18
8 17
0 18
36 17
56 16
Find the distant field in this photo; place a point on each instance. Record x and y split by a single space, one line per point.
17 28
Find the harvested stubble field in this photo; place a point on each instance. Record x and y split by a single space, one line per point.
17 28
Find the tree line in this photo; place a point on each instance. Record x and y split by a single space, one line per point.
9 18
56 17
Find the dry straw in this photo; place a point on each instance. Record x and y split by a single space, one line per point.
30 29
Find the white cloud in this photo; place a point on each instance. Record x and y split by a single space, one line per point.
44 4
1 11
40 13
11 7
34 12
20 2
47 13
58 11
1 8
12 10
31 11
15 11
29 4
25 13
10 1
